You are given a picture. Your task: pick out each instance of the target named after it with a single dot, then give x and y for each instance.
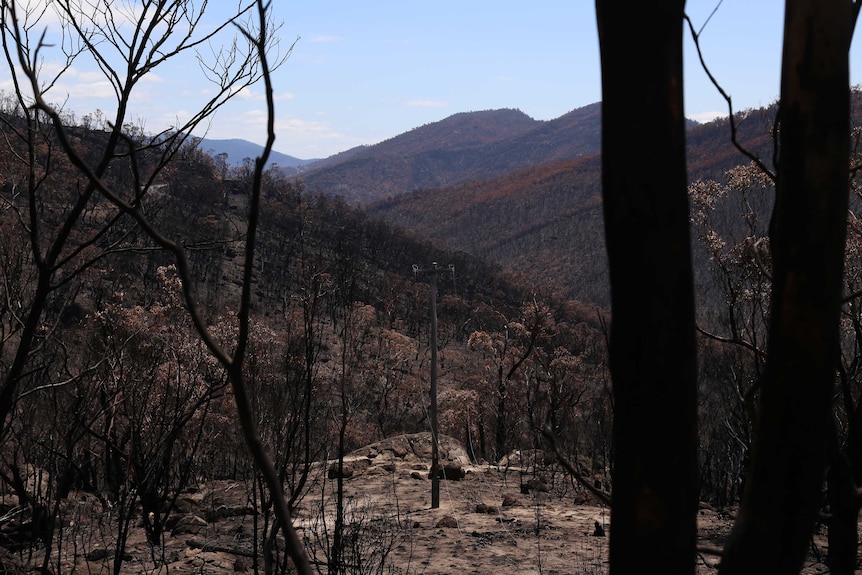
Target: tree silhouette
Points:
(807, 237)
(652, 344)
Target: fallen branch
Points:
(204, 546)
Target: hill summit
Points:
(464, 147)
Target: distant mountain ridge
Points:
(237, 150)
(464, 147)
(544, 222)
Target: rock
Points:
(397, 446)
(189, 525)
(224, 512)
(416, 475)
(447, 522)
(535, 484)
(524, 458)
(510, 501)
(349, 469)
(421, 445)
(484, 508)
(451, 471)
(333, 472)
(186, 505)
(417, 447)
(97, 554)
(101, 554)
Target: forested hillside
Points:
(462, 148)
(124, 256)
(544, 223)
(120, 398)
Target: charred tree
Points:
(652, 343)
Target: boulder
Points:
(189, 525)
(414, 447)
(451, 471)
(525, 458)
(349, 469)
(447, 522)
(535, 484)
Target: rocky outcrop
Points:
(415, 447)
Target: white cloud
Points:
(704, 117)
(100, 90)
(249, 95)
(323, 39)
(91, 76)
(426, 103)
(246, 94)
(174, 119)
(29, 11)
(152, 77)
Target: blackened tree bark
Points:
(844, 474)
(807, 234)
(652, 343)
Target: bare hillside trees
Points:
(126, 45)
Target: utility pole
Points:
(435, 271)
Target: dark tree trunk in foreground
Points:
(783, 492)
(652, 345)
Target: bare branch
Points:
(552, 439)
(65, 382)
(264, 464)
(733, 127)
(734, 341)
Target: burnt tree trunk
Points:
(652, 342)
(807, 232)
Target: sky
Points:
(363, 72)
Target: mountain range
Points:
(520, 193)
(517, 192)
(464, 147)
(238, 150)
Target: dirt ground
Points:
(496, 519)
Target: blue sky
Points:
(362, 72)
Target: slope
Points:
(458, 149)
(544, 223)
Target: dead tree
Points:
(652, 342)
